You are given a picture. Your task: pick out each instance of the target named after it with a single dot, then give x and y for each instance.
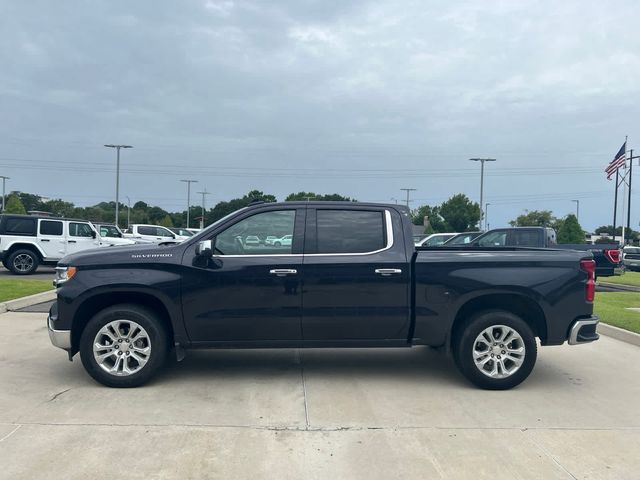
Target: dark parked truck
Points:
(349, 277)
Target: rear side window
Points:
(524, 238)
(50, 227)
(20, 226)
(350, 231)
(80, 230)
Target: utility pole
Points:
(203, 193)
(482, 160)
(188, 182)
(4, 179)
(128, 211)
(408, 190)
(117, 147)
(577, 202)
(486, 216)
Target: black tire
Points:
(277, 244)
(464, 344)
(158, 342)
(16, 262)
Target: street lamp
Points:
(128, 211)
(482, 160)
(486, 216)
(4, 179)
(188, 182)
(117, 147)
(577, 202)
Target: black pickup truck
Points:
(322, 274)
(606, 256)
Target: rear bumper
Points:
(584, 331)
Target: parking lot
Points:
(317, 413)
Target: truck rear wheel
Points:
(23, 262)
(123, 346)
(495, 350)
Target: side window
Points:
(277, 226)
(495, 239)
(50, 227)
(350, 231)
(163, 232)
(80, 229)
(20, 226)
(147, 231)
(526, 239)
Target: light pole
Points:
(117, 147)
(577, 202)
(188, 182)
(4, 179)
(486, 216)
(203, 193)
(482, 160)
(408, 190)
(128, 211)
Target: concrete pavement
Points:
(341, 414)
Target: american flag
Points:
(617, 162)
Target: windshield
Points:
(109, 231)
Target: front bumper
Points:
(584, 330)
(59, 338)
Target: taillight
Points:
(589, 266)
(613, 255)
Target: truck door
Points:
(51, 239)
(356, 276)
(247, 292)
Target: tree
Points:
(223, 209)
(14, 205)
(435, 223)
(535, 218)
(328, 197)
(570, 231)
(166, 221)
(460, 214)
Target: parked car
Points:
(111, 235)
(29, 241)
(252, 241)
(607, 257)
(152, 233)
(435, 239)
(270, 239)
(181, 233)
(284, 241)
(365, 285)
(462, 238)
(631, 258)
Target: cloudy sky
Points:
(360, 98)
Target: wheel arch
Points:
(93, 304)
(521, 305)
(25, 246)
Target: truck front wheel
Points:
(495, 350)
(123, 346)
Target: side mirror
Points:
(204, 248)
(93, 234)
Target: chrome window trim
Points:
(390, 241)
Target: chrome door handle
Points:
(385, 272)
(283, 272)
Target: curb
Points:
(27, 301)
(629, 288)
(619, 334)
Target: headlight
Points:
(63, 274)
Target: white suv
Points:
(28, 241)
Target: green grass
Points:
(629, 278)
(611, 308)
(11, 289)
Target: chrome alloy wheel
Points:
(498, 351)
(122, 348)
(23, 262)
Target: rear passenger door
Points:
(51, 238)
(356, 276)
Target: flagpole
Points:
(615, 206)
(629, 192)
(624, 204)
